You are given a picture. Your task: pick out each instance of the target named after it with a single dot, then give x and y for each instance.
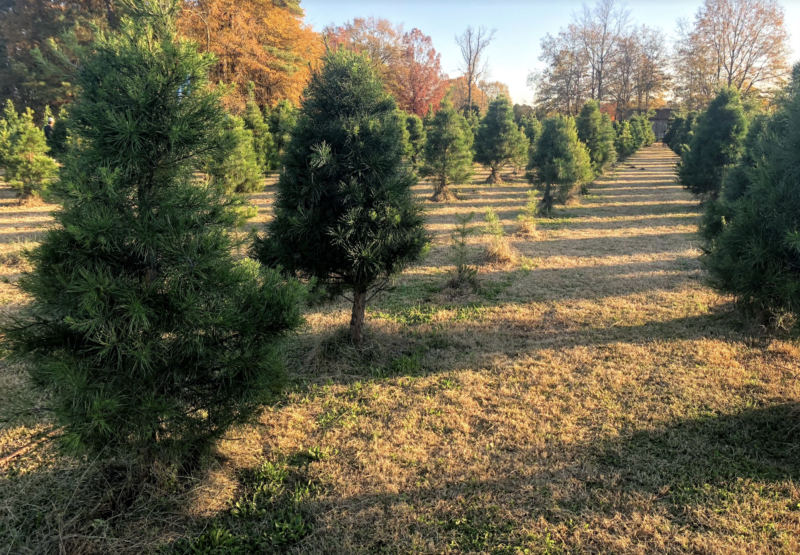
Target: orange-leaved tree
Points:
(260, 41)
(422, 82)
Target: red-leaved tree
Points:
(422, 82)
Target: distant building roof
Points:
(662, 114)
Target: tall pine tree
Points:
(344, 213)
(499, 141)
(145, 332)
(716, 144)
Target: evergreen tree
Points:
(624, 144)
(755, 253)
(282, 120)
(416, 139)
(532, 129)
(561, 161)
(263, 143)
(637, 132)
(448, 151)
(500, 141)
(596, 131)
(60, 136)
(345, 214)
(715, 146)
(237, 169)
(23, 153)
(144, 331)
(684, 131)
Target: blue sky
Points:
(520, 26)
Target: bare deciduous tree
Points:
(473, 44)
(600, 29)
(736, 43)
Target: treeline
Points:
(604, 55)
(744, 163)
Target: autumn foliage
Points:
(407, 62)
(261, 41)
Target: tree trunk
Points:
(357, 317)
(547, 199)
(494, 177)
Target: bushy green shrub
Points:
(623, 143)
(145, 333)
(345, 214)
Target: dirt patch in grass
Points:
(598, 398)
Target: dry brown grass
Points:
(597, 399)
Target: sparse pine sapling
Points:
(499, 251)
(527, 219)
(345, 214)
(148, 337)
(466, 273)
(448, 151)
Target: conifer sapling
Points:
(499, 141)
(345, 214)
(448, 151)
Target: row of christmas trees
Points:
(744, 163)
(146, 332)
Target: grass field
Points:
(595, 396)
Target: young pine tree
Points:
(596, 131)
(637, 132)
(448, 151)
(146, 334)
(60, 136)
(344, 213)
(755, 255)
(416, 139)
(281, 121)
(561, 161)
(623, 143)
(263, 143)
(715, 146)
(29, 170)
(236, 170)
(500, 141)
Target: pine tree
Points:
(345, 214)
(29, 170)
(715, 146)
(623, 144)
(448, 151)
(755, 254)
(637, 132)
(60, 136)
(596, 131)
(147, 335)
(499, 141)
(263, 143)
(236, 170)
(416, 139)
(561, 161)
(282, 120)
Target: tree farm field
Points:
(593, 396)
